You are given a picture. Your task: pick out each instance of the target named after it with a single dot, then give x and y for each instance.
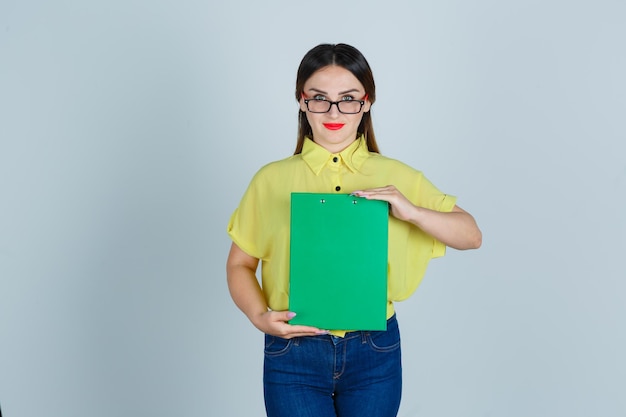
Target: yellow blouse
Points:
(260, 225)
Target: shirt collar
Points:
(317, 156)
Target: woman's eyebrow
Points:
(352, 90)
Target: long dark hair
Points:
(347, 57)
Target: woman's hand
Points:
(456, 229)
(275, 324)
(401, 207)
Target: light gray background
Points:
(130, 129)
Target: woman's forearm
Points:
(456, 229)
(243, 284)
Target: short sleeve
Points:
(447, 204)
(245, 227)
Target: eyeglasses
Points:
(320, 105)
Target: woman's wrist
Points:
(416, 216)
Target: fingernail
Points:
(291, 315)
(323, 332)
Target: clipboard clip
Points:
(354, 201)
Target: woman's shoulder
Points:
(389, 163)
(278, 168)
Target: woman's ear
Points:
(302, 104)
(368, 105)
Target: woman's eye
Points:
(347, 98)
(319, 98)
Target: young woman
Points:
(311, 372)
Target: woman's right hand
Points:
(275, 323)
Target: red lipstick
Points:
(333, 126)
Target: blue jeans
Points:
(327, 376)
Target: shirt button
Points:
(335, 159)
(337, 188)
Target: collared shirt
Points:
(260, 225)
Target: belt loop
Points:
(364, 337)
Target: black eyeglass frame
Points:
(336, 103)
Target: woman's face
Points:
(334, 130)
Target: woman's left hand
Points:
(456, 228)
(399, 205)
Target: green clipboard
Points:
(338, 261)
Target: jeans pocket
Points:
(276, 346)
(384, 341)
